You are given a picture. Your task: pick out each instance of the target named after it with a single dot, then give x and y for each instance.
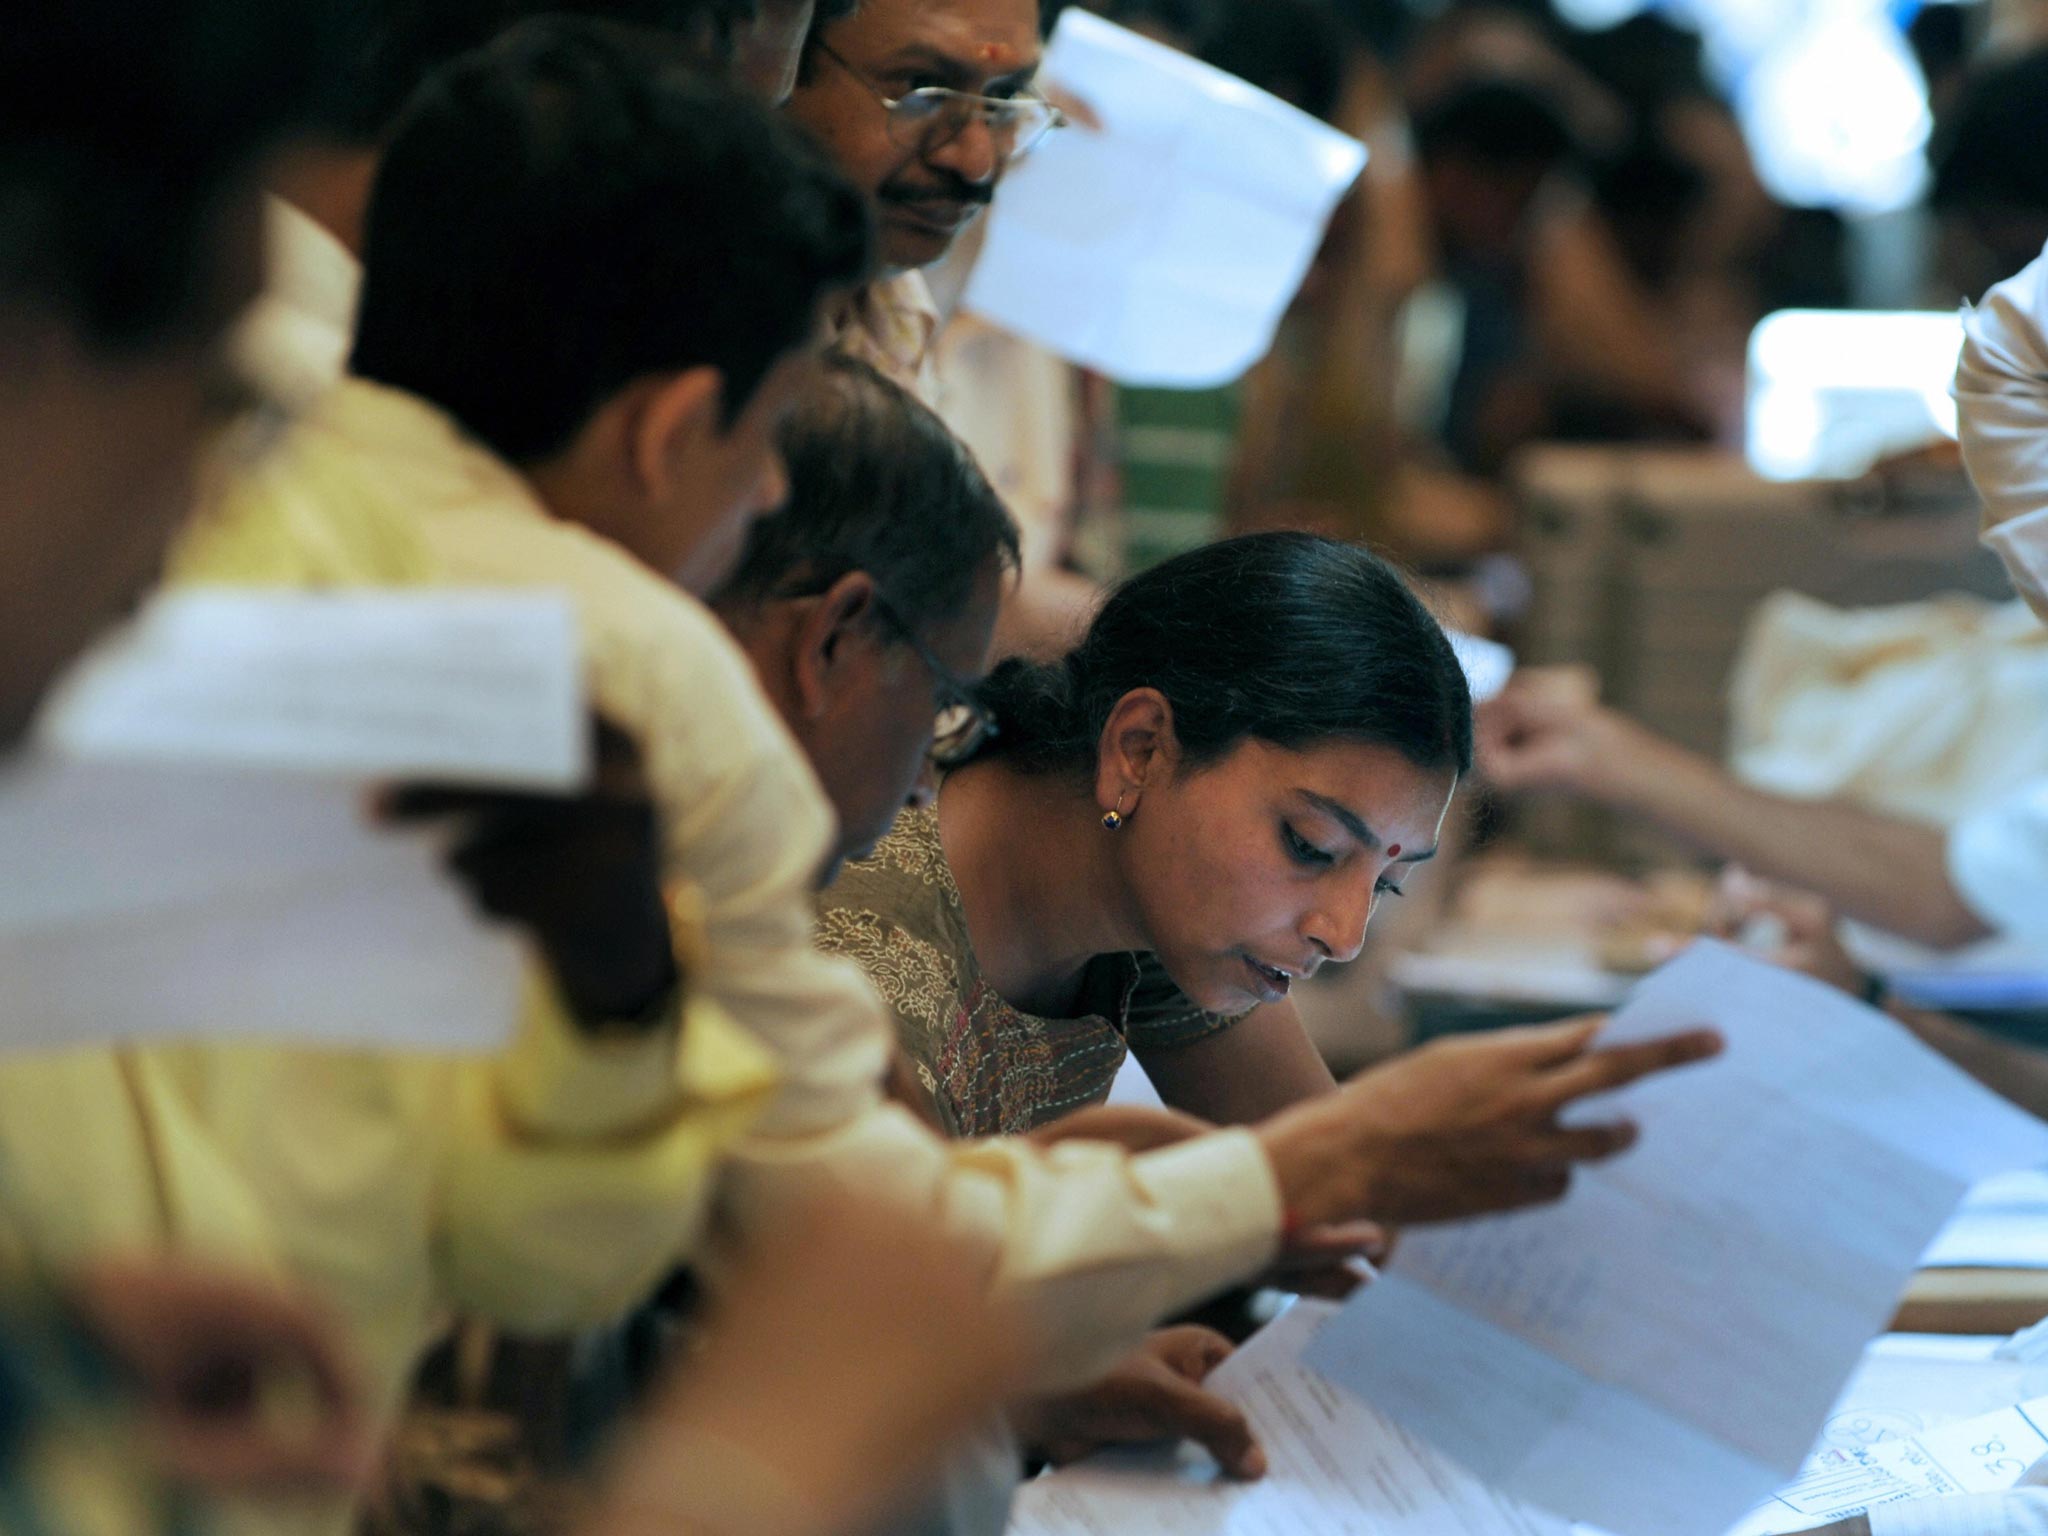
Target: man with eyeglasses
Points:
(922, 104)
(867, 602)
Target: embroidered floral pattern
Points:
(991, 1068)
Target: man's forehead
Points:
(986, 38)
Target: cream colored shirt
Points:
(297, 335)
(1108, 1242)
(893, 326)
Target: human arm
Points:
(1099, 1242)
(842, 1361)
(1887, 871)
(1806, 938)
(1256, 1067)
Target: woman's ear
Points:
(1137, 748)
(827, 640)
(675, 419)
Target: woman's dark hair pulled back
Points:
(1286, 638)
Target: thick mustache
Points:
(951, 192)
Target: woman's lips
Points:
(1268, 982)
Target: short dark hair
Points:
(565, 211)
(1287, 638)
(122, 124)
(400, 44)
(877, 483)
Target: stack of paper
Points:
(191, 852)
(1656, 1353)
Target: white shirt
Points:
(297, 335)
(2002, 415)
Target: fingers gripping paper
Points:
(1162, 243)
(1659, 1351)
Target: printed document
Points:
(1161, 242)
(1656, 1354)
(1338, 1468)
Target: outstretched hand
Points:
(1463, 1126)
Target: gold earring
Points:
(1112, 820)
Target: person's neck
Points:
(331, 186)
(569, 489)
(1037, 880)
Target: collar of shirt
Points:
(893, 326)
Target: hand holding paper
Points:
(1657, 1352)
(1464, 1125)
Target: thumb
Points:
(1218, 1427)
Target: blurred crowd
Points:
(965, 725)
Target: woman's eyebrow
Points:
(1343, 815)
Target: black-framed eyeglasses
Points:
(932, 115)
(962, 725)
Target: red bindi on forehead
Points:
(1394, 852)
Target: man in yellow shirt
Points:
(116, 366)
(545, 1189)
(591, 288)
(601, 474)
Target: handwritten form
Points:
(1655, 1354)
(1986, 1454)
(1163, 246)
(1339, 1468)
(190, 852)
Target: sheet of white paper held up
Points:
(477, 687)
(189, 853)
(1163, 244)
(1657, 1353)
(1338, 1468)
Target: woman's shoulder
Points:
(906, 877)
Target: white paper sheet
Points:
(147, 903)
(1163, 247)
(1656, 1353)
(1337, 1469)
(470, 687)
(190, 852)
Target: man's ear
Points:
(836, 629)
(1138, 744)
(677, 415)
